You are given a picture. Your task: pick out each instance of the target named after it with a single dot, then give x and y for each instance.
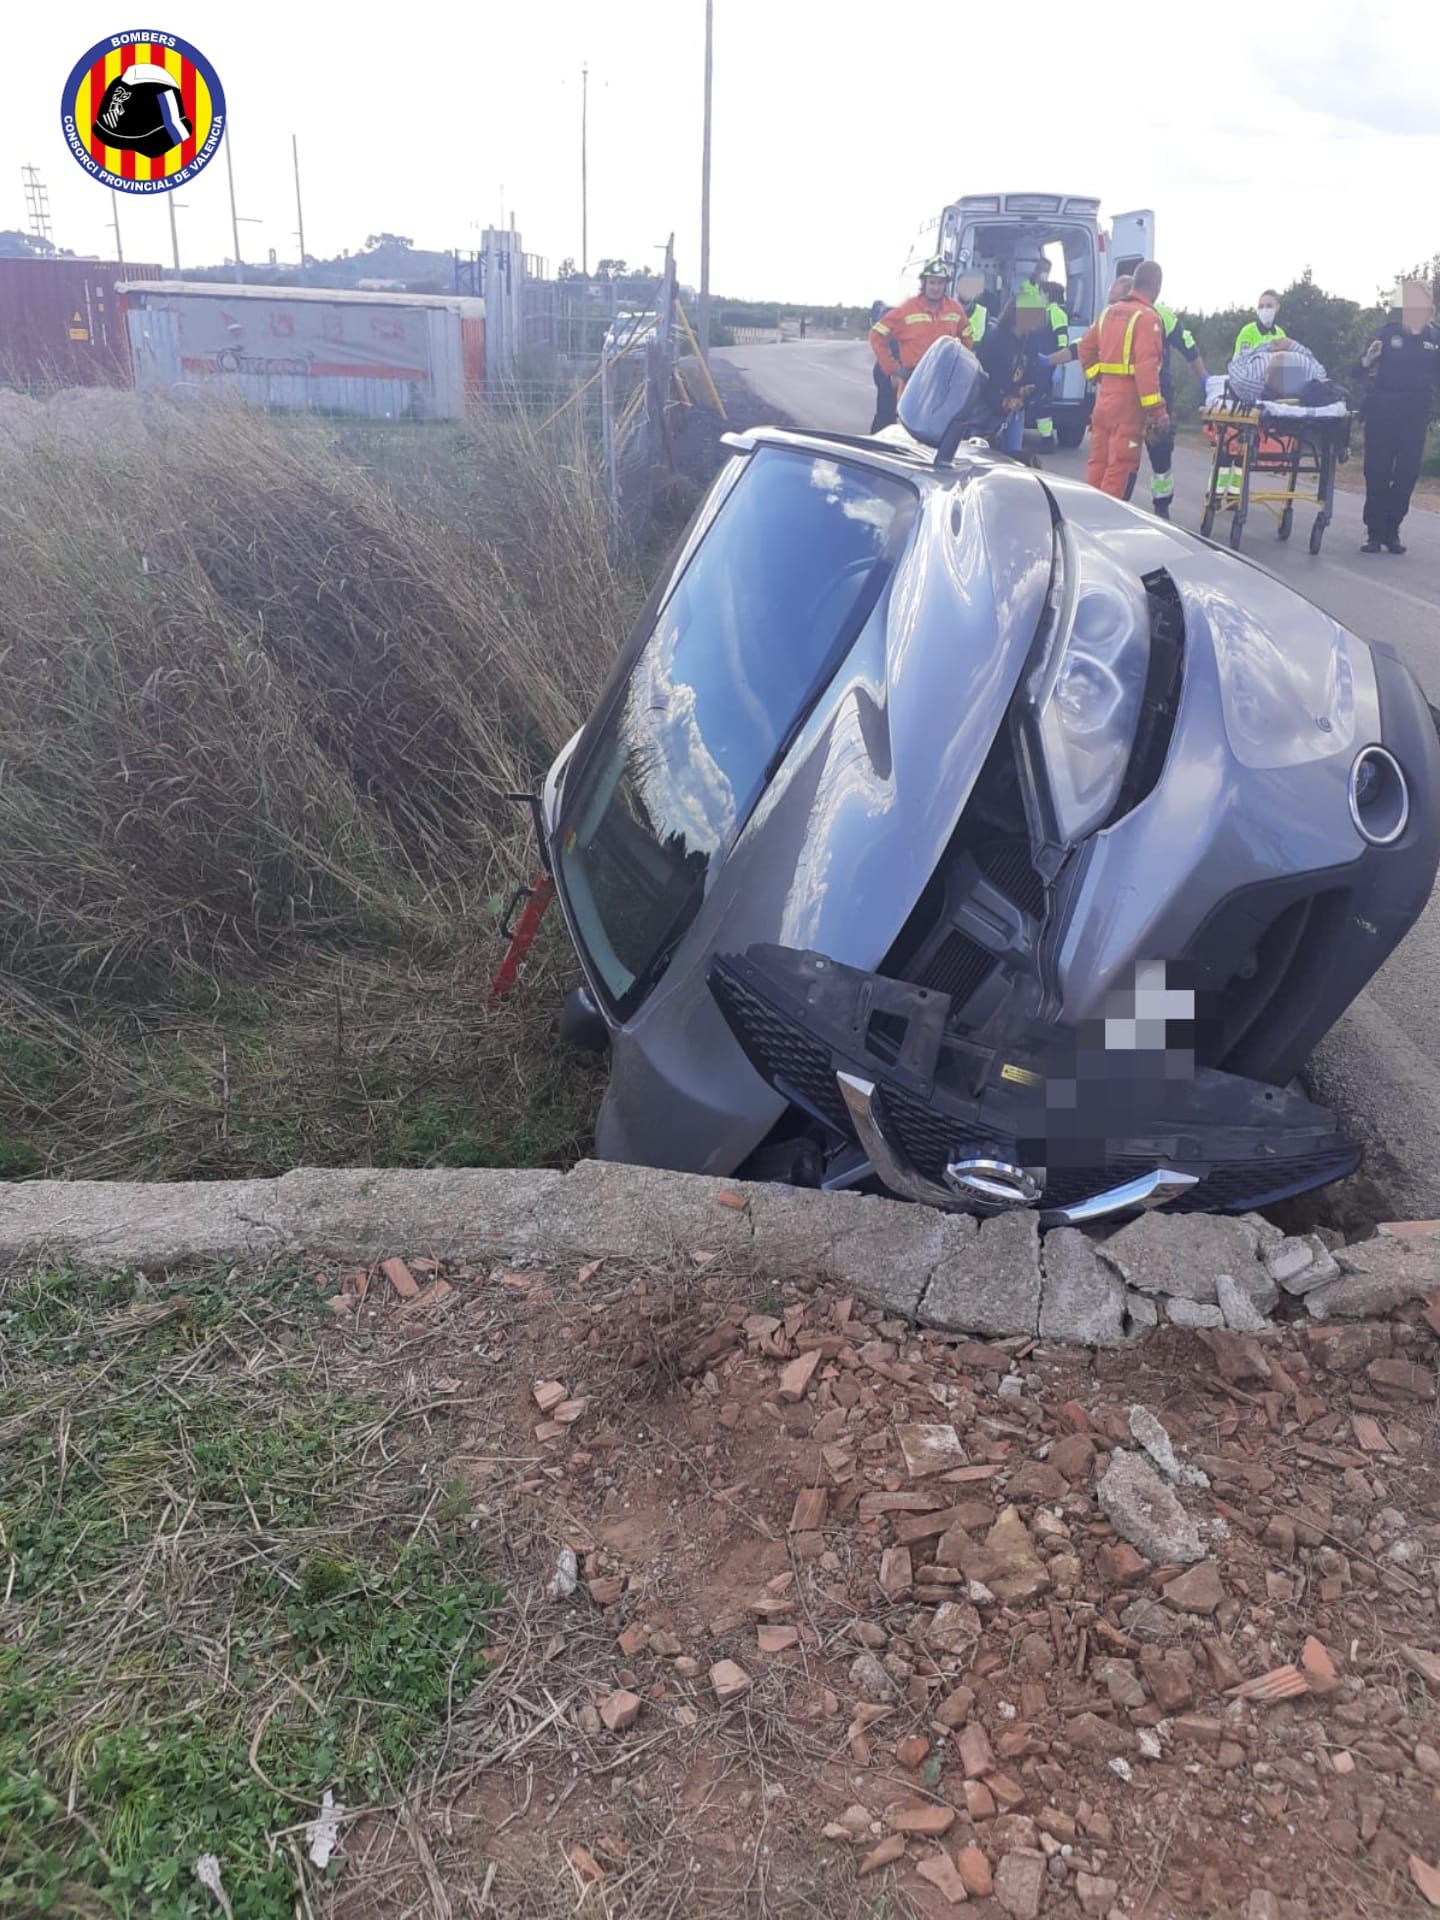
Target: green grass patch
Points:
(231, 1588)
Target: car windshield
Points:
(770, 602)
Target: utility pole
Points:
(704, 314)
(585, 168)
(115, 216)
(174, 233)
(299, 209)
(234, 217)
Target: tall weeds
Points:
(263, 687)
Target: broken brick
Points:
(940, 1871)
(619, 1710)
(728, 1681)
(796, 1377)
(401, 1279)
(548, 1394)
(777, 1639)
(921, 1817)
(809, 1511)
(977, 1756)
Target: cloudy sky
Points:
(1316, 142)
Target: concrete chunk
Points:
(1377, 1276)
(1182, 1253)
(1144, 1511)
(1193, 1313)
(1081, 1298)
(882, 1249)
(986, 1282)
(1300, 1263)
(1241, 1310)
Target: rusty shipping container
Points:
(61, 323)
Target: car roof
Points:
(900, 454)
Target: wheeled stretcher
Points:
(1286, 457)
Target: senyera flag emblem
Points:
(143, 112)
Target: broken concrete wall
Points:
(998, 1276)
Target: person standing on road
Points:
(1057, 324)
(1401, 369)
(898, 339)
(1123, 350)
(1160, 447)
(1008, 361)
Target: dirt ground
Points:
(850, 1633)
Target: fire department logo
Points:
(143, 112)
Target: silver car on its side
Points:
(954, 828)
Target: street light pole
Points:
(585, 168)
(234, 217)
(704, 315)
(115, 216)
(299, 209)
(174, 234)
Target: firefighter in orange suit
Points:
(899, 337)
(1124, 351)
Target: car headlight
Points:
(1084, 698)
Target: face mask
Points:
(1265, 315)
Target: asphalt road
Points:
(1380, 1068)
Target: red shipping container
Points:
(63, 324)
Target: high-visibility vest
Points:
(1252, 333)
(1126, 363)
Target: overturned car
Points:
(957, 830)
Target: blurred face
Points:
(933, 286)
(1417, 309)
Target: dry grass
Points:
(265, 685)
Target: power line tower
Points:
(37, 205)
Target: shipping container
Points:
(381, 356)
(61, 323)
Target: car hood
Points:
(854, 822)
(850, 831)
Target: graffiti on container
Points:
(231, 360)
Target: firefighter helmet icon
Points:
(143, 112)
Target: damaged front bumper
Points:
(1074, 1128)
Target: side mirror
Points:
(945, 393)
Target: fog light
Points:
(1379, 796)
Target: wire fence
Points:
(611, 363)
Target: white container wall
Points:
(378, 356)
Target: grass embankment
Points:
(264, 687)
(229, 1588)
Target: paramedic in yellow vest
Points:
(1255, 333)
(1057, 321)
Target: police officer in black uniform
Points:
(1401, 368)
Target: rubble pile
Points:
(1014, 1626)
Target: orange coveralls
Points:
(1123, 350)
(909, 328)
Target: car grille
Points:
(803, 1069)
(785, 1054)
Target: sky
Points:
(1314, 141)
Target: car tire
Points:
(797, 1162)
